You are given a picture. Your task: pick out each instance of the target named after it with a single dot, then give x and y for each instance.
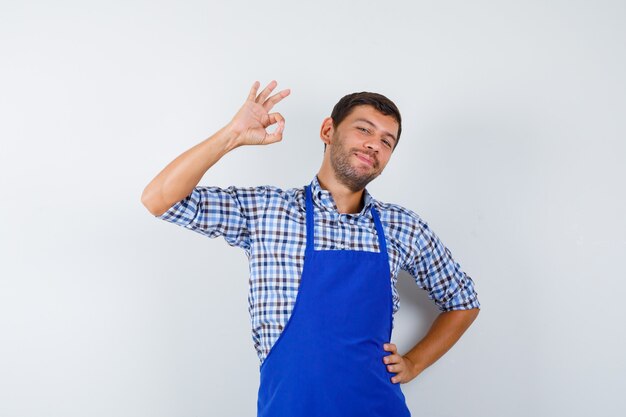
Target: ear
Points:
(327, 130)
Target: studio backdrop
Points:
(512, 151)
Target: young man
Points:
(324, 261)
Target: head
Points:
(344, 107)
(359, 138)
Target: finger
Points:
(273, 137)
(266, 92)
(253, 90)
(277, 135)
(398, 377)
(390, 347)
(273, 118)
(271, 102)
(393, 358)
(399, 372)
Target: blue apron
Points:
(328, 360)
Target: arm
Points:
(435, 270)
(445, 331)
(178, 179)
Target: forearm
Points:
(445, 331)
(178, 179)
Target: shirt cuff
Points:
(184, 211)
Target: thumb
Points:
(277, 135)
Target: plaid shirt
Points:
(269, 224)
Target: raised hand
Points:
(253, 118)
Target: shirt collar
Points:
(324, 199)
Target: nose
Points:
(372, 144)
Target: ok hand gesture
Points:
(253, 118)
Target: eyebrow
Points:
(376, 127)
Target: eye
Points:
(386, 142)
(363, 129)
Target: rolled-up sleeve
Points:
(434, 270)
(214, 211)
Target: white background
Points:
(512, 150)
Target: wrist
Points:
(414, 365)
(231, 135)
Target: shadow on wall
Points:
(417, 312)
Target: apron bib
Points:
(327, 362)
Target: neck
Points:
(346, 200)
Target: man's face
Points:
(361, 146)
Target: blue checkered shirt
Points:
(269, 224)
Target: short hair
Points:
(381, 103)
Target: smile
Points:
(365, 159)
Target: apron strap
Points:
(379, 231)
(310, 224)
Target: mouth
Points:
(365, 158)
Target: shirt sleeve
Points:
(434, 270)
(214, 211)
